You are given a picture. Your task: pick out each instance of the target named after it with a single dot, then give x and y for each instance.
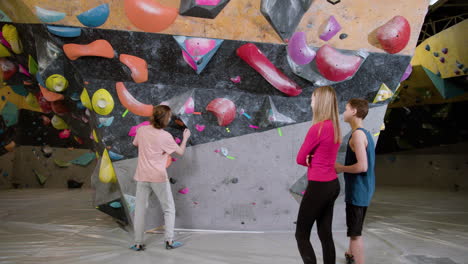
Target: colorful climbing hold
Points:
(85, 100)
(343, 36)
(138, 67)
(258, 61)
(49, 16)
(298, 50)
(65, 134)
(94, 17)
(11, 35)
(129, 102)
(56, 83)
(236, 79)
(442, 59)
(224, 110)
(106, 170)
(66, 32)
(32, 65)
(149, 15)
(184, 190)
(133, 129)
(99, 48)
(394, 35)
(200, 128)
(331, 29)
(444, 50)
(58, 123)
(383, 94)
(280, 133)
(102, 101)
(336, 66)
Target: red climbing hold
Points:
(336, 66)
(255, 58)
(394, 35)
(224, 110)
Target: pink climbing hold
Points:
(133, 130)
(236, 79)
(394, 35)
(200, 127)
(303, 192)
(4, 41)
(407, 73)
(65, 134)
(336, 66)
(299, 51)
(252, 126)
(197, 47)
(184, 190)
(207, 2)
(331, 29)
(177, 140)
(23, 70)
(189, 106)
(189, 60)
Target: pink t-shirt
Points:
(154, 147)
(324, 149)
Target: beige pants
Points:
(164, 193)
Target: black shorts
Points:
(355, 219)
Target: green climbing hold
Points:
(32, 65)
(61, 163)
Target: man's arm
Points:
(358, 142)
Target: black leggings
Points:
(317, 205)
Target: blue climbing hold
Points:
(39, 79)
(49, 16)
(115, 205)
(94, 17)
(114, 156)
(19, 89)
(428, 48)
(66, 32)
(436, 54)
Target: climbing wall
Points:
(243, 90)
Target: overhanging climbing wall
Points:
(244, 94)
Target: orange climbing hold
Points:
(99, 48)
(51, 96)
(137, 65)
(132, 104)
(149, 15)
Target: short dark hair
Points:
(161, 114)
(361, 106)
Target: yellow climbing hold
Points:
(106, 170)
(11, 35)
(85, 100)
(95, 136)
(56, 83)
(382, 127)
(32, 100)
(58, 123)
(4, 52)
(103, 103)
(383, 94)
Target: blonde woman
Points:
(318, 153)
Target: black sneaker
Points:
(175, 244)
(349, 258)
